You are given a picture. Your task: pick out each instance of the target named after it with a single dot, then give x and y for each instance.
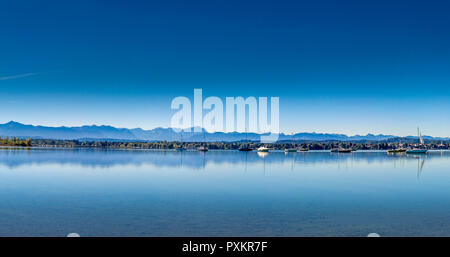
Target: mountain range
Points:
(94, 132)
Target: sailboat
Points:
(418, 150)
(181, 147)
(203, 148)
(290, 150)
(246, 148)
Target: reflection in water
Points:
(262, 154)
(161, 193)
(419, 167)
(109, 158)
(14, 157)
(420, 162)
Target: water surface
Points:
(52, 192)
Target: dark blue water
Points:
(48, 192)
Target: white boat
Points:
(263, 149)
(202, 149)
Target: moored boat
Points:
(416, 151)
(397, 150)
(263, 149)
(420, 149)
(202, 149)
(341, 150)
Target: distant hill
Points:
(94, 132)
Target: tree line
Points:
(15, 141)
(323, 145)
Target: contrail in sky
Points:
(18, 76)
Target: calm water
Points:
(48, 192)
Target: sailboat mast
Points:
(421, 142)
(418, 134)
(246, 133)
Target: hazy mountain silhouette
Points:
(94, 132)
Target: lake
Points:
(53, 192)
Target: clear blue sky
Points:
(352, 67)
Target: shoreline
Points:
(195, 150)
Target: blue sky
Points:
(352, 67)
